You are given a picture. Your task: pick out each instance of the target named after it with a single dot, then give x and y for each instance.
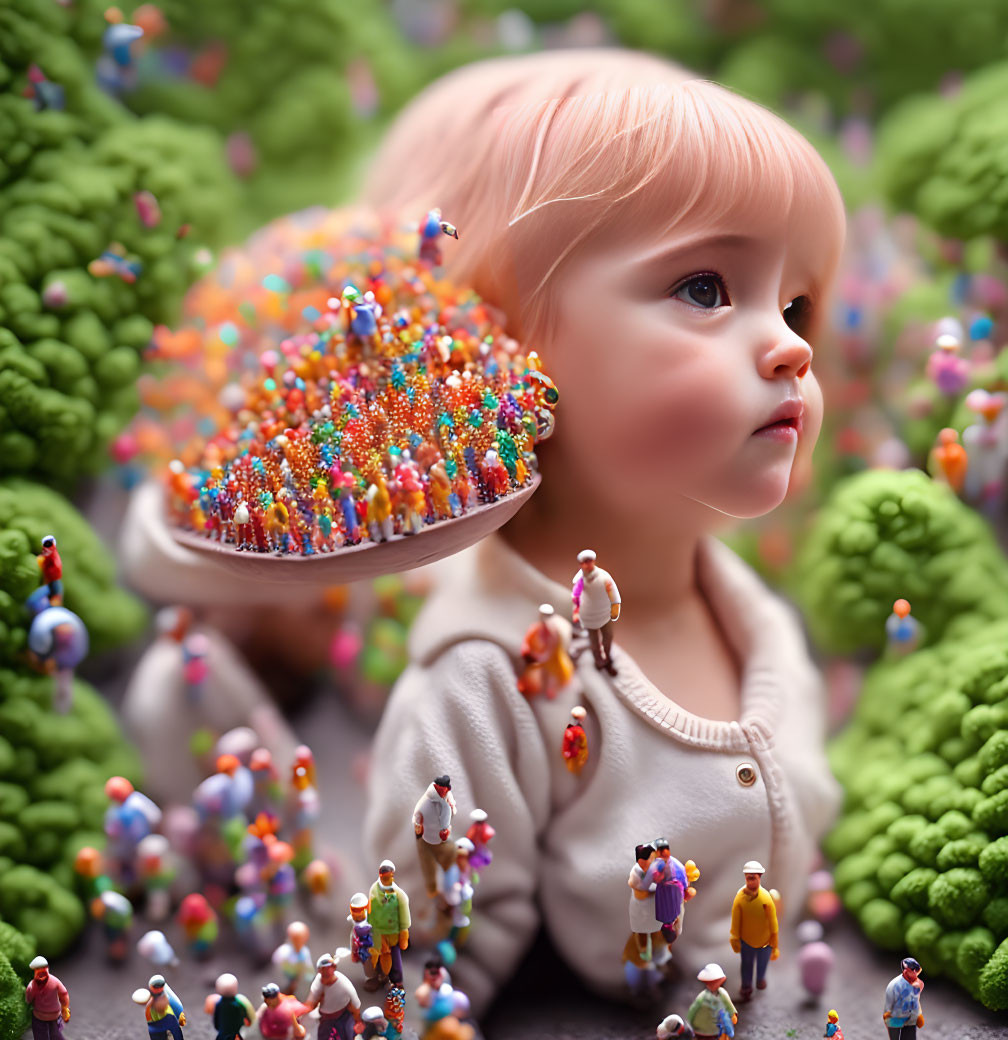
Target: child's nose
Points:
(784, 354)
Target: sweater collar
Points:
(485, 593)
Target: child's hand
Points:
(443, 835)
(775, 953)
(418, 829)
(614, 612)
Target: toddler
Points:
(667, 247)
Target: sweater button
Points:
(746, 774)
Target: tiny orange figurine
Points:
(548, 667)
(951, 459)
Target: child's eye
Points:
(702, 290)
(798, 315)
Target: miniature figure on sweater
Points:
(596, 602)
(675, 289)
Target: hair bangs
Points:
(656, 157)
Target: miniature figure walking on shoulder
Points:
(596, 606)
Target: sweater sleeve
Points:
(462, 715)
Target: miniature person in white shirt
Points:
(596, 602)
(432, 820)
(335, 997)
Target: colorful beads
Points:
(357, 395)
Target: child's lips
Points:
(785, 423)
(785, 430)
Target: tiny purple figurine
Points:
(431, 230)
(815, 958)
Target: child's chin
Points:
(751, 499)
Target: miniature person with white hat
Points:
(480, 833)
(754, 928)
(362, 941)
(49, 1002)
(375, 1023)
(596, 605)
(712, 1003)
(548, 667)
(389, 916)
(674, 1028)
(335, 997)
(162, 1009)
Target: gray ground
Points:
(544, 1002)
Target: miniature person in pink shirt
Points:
(49, 1001)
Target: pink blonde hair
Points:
(531, 157)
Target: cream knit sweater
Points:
(565, 843)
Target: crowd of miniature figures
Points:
(229, 845)
(389, 401)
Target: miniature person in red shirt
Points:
(51, 567)
(575, 741)
(48, 999)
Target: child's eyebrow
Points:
(694, 243)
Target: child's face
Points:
(674, 353)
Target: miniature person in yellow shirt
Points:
(754, 928)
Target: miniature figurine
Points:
(704, 1015)
(199, 922)
(643, 977)
(575, 741)
(903, 630)
(674, 1028)
(815, 958)
(642, 892)
(51, 566)
(946, 367)
(277, 1018)
(432, 821)
(154, 947)
(230, 1010)
(57, 643)
(902, 1012)
(674, 881)
(303, 807)
(435, 975)
(548, 667)
(389, 917)
(754, 928)
(130, 817)
(480, 834)
(162, 1009)
(115, 912)
(195, 666)
(394, 1010)
(458, 882)
(49, 1002)
(833, 1030)
(596, 606)
(375, 1024)
(335, 997)
(431, 230)
(362, 941)
(950, 459)
(294, 958)
(985, 449)
(266, 793)
(156, 869)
